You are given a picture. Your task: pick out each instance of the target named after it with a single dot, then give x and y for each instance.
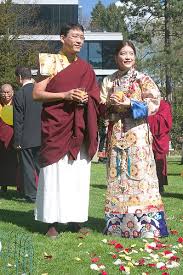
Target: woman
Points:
(8, 158)
(133, 204)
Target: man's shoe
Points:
(73, 227)
(52, 232)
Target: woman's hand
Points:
(115, 100)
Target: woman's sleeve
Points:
(150, 99)
(150, 95)
(104, 94)
(106, 87)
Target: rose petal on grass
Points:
(101, 267)
(103, 272)
(77, 259)
(80, 244)
(163, 268)
(174, 258)
(180, 240)
(112, 242)
(160, 265)
(104, 240)
(172, 265)
(118, 262)
(118, 245)
(95, 260)
(122, 268)
(94, 267)
(130, 264)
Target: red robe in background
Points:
(8, 156)
(160, 126)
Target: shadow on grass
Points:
(10, 195)
(100, 186)
(174, 161)
(26, 220)
(172, 195)
(174, 174)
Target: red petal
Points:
(180, 240)
(163, 268)
(122, 268)
(118, 245)
(151, 265)
(95, 260)
(113, 242)
(166, 252)
(141, 261)
(174, 258)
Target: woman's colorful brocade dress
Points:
(133, 203)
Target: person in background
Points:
(27, 132)
(103, 125)
(8, 157)
(160, 126)
(133, 203)
(67, 86)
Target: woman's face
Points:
(125, 58)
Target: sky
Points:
(88, 5)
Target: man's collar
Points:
(27, 82)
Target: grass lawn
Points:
(71, 253)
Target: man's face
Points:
(73, 41)
(6, 94)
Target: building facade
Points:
(98, 48)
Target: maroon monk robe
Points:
(160, 126)
(8, 157)
(65, 125)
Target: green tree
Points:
(98, 17)
(157, 26)
(109, 19)
(13, 23)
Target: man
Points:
(27, 132)
(69, 132)
(8, 157)
(160, 126)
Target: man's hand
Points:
(76, 96)
(17, 147)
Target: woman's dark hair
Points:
(67, 27)
(122, 44)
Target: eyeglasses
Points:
(75, 36)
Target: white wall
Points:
(51, 2)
